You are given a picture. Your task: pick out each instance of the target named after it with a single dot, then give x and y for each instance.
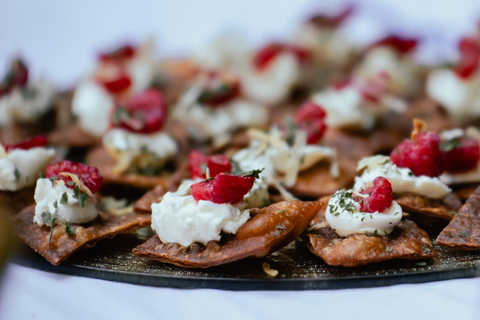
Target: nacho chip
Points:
(144, 204)
(442, 209)
(63, 245)
(270, 229)
(407, 241)
(318, 181)
(463, 232)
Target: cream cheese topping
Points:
(344, 216)
(48, 198)
(225, 51)
(28, 104)
(274, 84)
(401, 179)
(92, 105)
(180, 219)
(20, 168)
(460, 97)
(139, 150)
(401, 69)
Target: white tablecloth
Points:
(32, 294)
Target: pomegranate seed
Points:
(38, 141)
(400, 44)
(117, 85)
(461, 154)
(17, 76)
(122, 53)
(145, 112)
(469, 57)
(267, 54)
(380, 196)
(311, 119)
(322, 21)
(220, 94)
(89, 176)
(375, 87)
(422, 155)
(216, 164)
(224, 188)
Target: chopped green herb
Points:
(70, 183)
(283, 211)
(279, 227)
(388, 249)
(463, 233)
(253, 173)
(236, 170)
(64, 198)
(69, 229)
(266, 202)
(120, 114)
(81, 197)
(17, 174)
(450, 144)
(50, 219)
(41, 175)
(421, 264)
(385, 162)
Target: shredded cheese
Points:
(418, 127)
(79, 183)
(3, 152)
(271, 272)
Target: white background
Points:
(59, 40)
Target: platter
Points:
(298, 269)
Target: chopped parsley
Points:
(450, 144)
(69, 229)
(81, 196)
(50, 219)
(463, 233)
(17, 174)
(41, 175)
(279, 227)
(64, 198)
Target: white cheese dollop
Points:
(274, 84)
(160, 144)
(402, 179)
(222, 52)
(344, 216)
(20, 168)
(180, 219)
(345, 108)
(93, 105)
(404, 74)
(460, 97)
(48, 194)
(27, 104)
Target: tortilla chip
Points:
(73, 136)
(407, 241)
(463, 232)
(317, 181)
(144, 204)
(62, 245)
(441, 209)
(270, 229)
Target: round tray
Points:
(298, 269)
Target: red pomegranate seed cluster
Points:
(461, 154)
(311, 119)
(224, 188)
(219, 91)
(145, 112)
(267, 54)
(380, 196)
(216, 164)
(120, 80)
(469, 57)
(89, 176)
(400, 44)
(38, 141)
(17, 76)
(421, 155)
(123, 53)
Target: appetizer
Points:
(65, 218)
(361, 226)
(207, 224)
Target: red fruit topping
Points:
(89, 176)
(375, 87)
(17, 76)
(118, 84)
(400, 44)
(380, 196)
(422, 155)
(267, 54)
(224, 188)
(122, 53)
(219, 91)
(145, 112)
(469, 57)
(216, 164)
(38, 141)
(461, 154)
(323, 21)
(311, 119)
(342, 84)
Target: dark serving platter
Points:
(298, 269)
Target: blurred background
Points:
(60, 39)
